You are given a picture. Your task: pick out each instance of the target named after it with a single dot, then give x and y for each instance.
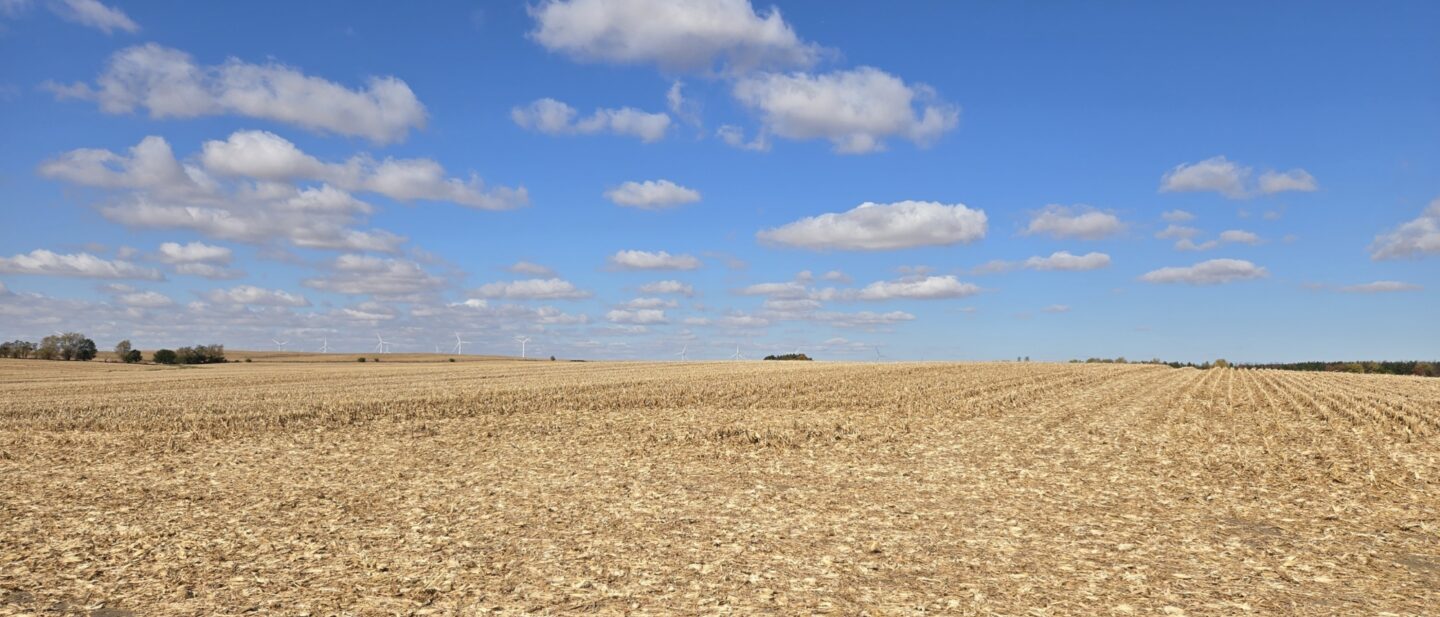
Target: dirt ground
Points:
(702, 488)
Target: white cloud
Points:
(1187, 244)
(255, 296)
(656, 260)
(874, 227)
(1239, 236)
(209, 271)
(532, 269)
(1056, 308)
(553, 117)
(1293, 180)
(649, 303)
(380, 277)
(674, 34)
(83, 265)
(533, 289)
(652, 195)
(926, 288)
(169, 84)
(668, 287)
(164, 194)
(1210, 272)
(734, 137)
(856, 110)
(1415, 238)
(95, 15)
(1177, 216)
(1063, 260)
(1177, 232)
(144, 299)
(175, 253)
(1082, 222)
(775, 290)
(636, 317)
(1221, 175)
(263, 155)
(1381, 287)
(863, 319)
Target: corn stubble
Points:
(785, 488)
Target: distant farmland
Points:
(289, 486)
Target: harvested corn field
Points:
(684, 488)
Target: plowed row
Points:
(555, 488)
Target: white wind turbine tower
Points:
(682, 355)
(737, 355)
(279, 345)
(460, 345)
(878, 355)
(522, 340)
(324, 345)
(382, 346)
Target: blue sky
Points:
(627, 178)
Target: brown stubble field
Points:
(698, 488)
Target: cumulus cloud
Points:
(856, 110)
(168, 83)
(652, 195)
(1293, 180)
(863, 319)
(1174, 232)
(533, 289)
(95, 15)
(165, 194)
(1056, 308)
(263, 155)
(1221, 175)
(918, 288)
(532, 269)
(376, 276)
(144, 299)
(1081, 222)
(176, 253)
(649, 303)
(1239, 236)
(673, 34)
(553, 117)
(1416, 238)
(81, 265)
(876, 227)
(775, 290)
(1381, 287)
(639, 317)
(652, 260)
(734, 137)
(1211, 272)
(668, 287)
(255, 296)
(1065, 261)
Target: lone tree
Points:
(164, 356)
(122, 349)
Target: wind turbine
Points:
(522, 340)
(324, 346)
(382, 346)
(737, 355)
(460, 345)
(682, 355)
(879, 355)
(279, 345)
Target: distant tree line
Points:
(76, 346)
(1420, 368)
(66, 346)
(789, 356)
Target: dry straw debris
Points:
(698, 488)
